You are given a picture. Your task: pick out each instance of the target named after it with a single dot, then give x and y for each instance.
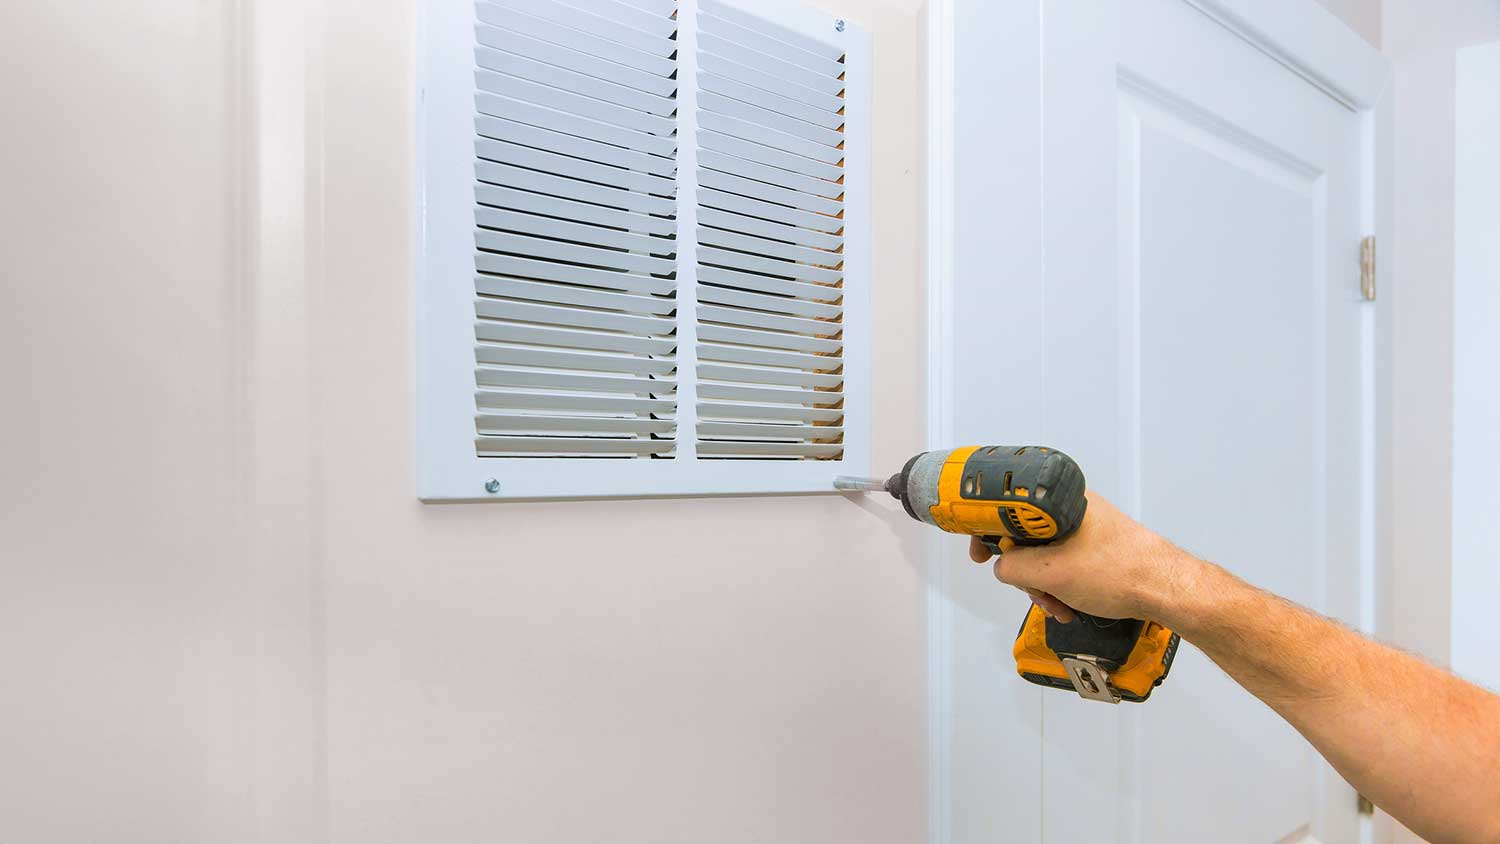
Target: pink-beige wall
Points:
(124, 646)
(223, 614)
(1362, 16)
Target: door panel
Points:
(1229, 402)
(1204, 345)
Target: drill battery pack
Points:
(1102, 659)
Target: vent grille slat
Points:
(494, 423)
(780, 377)
(570, 80)
(585, 148)
(575, 291)
(514, 221)
(762, 116)
(770, 266)
(525, 90)
(769, 339)
(715, 448)
(552, 271)
(766, 246)
(734, 71)
(511, 21)
(769, 413)
(752, 207)
(606, 19)
(572, 253)
(770, 175)
(769, 395)
(562, 122)
(513, 288)
(565, 165)
(663, 8)
(505, 332)
(782, 71)
(574, 211)
(582, 62)
(547, 358)
(767, 357)
(780, 304)
(508, 400)
(769, 156)
(769, 135)
(772, 193)
(774, 322)
(747, 20)
(502, 446)
(768, 229)
(770, 311)
(766, 284)
(488, 377)
(574, 317)
(561, 186)
(772, 101)
(750, 430)
(773, 46)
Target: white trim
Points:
(939, 395)
(1476, 414)
(1311, 41)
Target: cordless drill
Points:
(1030, 495)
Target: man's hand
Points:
(1419, 742)
(1113, 567)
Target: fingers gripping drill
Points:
(1015, 496)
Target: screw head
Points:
(839, 24)
(492, 486)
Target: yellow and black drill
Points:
(1031, 495)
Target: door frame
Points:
(1311, 42)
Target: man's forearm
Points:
(1417, 741)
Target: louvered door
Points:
(645, 266)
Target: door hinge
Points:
(1367, 268)
(1365, 806)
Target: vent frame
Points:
(449, 466)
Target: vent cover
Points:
(645, 265)
(770, 240)
(575, 229)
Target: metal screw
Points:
(492, 486)
(839, 24)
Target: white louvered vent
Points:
(645, 229)
(770, 240)
(576, 161)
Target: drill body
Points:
(1031, 495)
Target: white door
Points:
(1179, 308)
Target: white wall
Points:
(1422, 39)
(1476, 347)
(223, 614)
